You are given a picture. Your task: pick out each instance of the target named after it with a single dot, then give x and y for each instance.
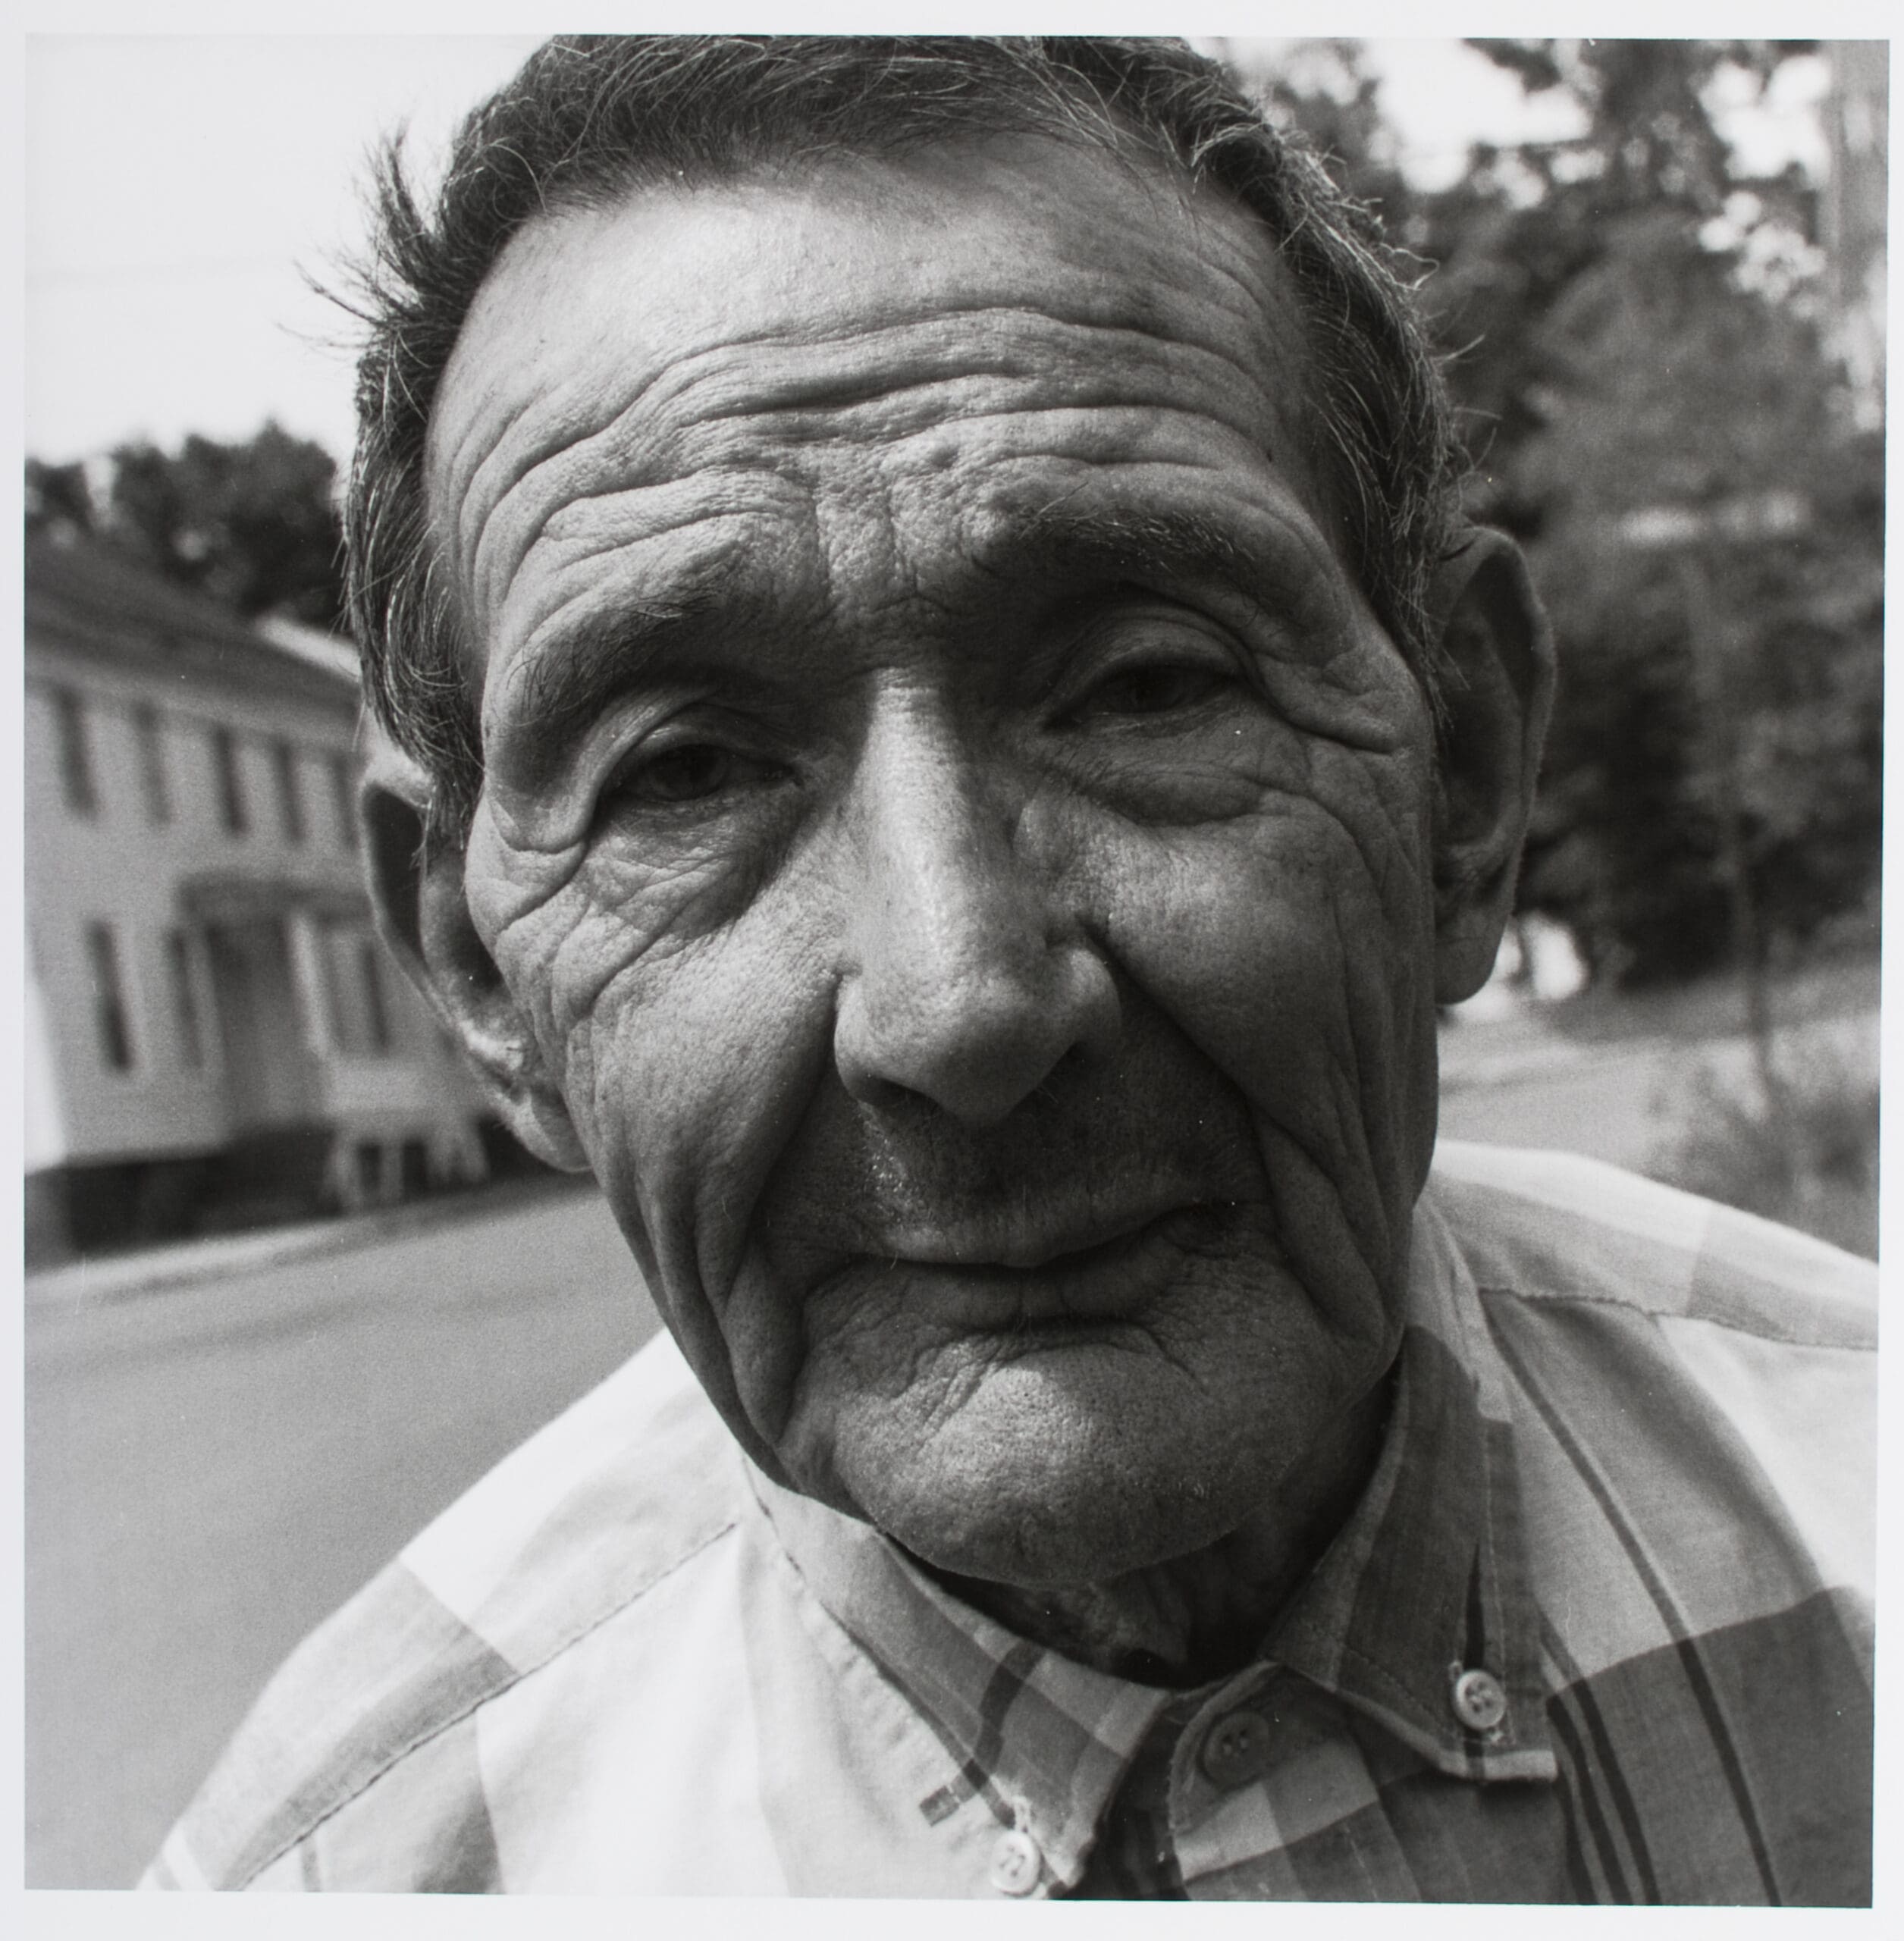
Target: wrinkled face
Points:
(955, 832)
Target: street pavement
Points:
(213, 1466)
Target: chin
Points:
(1043, 1504)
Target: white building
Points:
(212, 1033)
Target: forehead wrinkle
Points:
(1093, 300)
(580, 420)
(604, 642)
(608, 537)
(747, 450)
(547, 463)
(460, 503)
(799, 365)
(683, 573)
(749, 389)
(744, 445)
(795, 368)
(888, 412)
(496, 552)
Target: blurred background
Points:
(288, 1291)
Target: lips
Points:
(1024, 1272)
(1021, 1237)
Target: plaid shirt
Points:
(1598, 1630)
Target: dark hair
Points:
(588, 119)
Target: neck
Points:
(1190, 1619)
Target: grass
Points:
(1811, 1163)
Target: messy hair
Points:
(591, 119)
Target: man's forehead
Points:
(1012, 186)
(614, 294)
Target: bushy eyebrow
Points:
(1065, 541)
(1066, 537)
(559, 689)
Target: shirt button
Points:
(1479, 1702)
(1016, 1864)
(1237, 1749)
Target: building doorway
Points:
(270, 1078)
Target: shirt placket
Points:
(1265, 1776)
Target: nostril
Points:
(869, 1089)
(975, 1048)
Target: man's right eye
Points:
(680, 775)
(687, 772)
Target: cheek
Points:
(1294, 947)
(623, 972)
(688, 1052)
(691, 1069)
(1300, 930)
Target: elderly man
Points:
(951, 742)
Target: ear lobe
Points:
(1498, 691)
(423, 916)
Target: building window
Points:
(185, 999)
(109, 1015)
(153, 782)
(290, 798)
(231, 783)
(356, 997)
(376, 1016)
(75, 753)
(343, 794)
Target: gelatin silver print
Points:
(952, 966)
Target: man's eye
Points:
(690, 772)
(1158, 689)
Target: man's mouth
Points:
(1017, 1271)
(1021, 1236)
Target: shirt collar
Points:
(1045, 1739)
(1425, 1583)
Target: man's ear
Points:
(423, 916)
(1497, 690)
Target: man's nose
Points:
(966, 986)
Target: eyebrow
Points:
(561, 687)
(1065, 540)
(1066, 537)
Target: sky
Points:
(178, 191)
(181, 189)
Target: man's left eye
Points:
(1162, 687)
(689, 772)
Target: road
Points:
(211, 1469)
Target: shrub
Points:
(1811, 1163)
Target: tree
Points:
(57, 495)
(1632, 349)
(1711, 541)
(254, 526)
(1707, 525)
(1513, 237)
